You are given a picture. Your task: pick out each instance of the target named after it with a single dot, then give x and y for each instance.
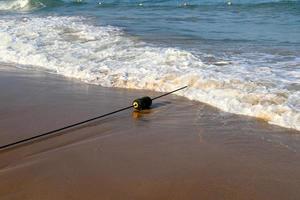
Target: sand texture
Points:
(179, 149)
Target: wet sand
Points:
(180, 149)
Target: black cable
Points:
(76, 124)
(169, 93)
(61, 129)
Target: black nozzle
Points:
(142, 103)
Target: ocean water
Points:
(242, 56)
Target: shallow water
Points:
(240, 56)
(177, 150)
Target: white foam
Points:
(106, 56)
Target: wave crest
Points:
(15, 5)
(28, 5)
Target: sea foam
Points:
(106, 56)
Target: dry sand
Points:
(180, 149)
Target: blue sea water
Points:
(242, 56)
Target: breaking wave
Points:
(104, 55)
(15, 5)
(28, 5)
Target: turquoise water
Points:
(254, 22)
(240, 56)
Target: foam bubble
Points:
(106, 56)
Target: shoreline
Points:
(180, 149)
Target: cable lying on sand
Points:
(138, 104)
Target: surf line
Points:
(137, 104)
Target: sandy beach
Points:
(179, 149)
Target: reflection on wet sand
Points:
(177, 150)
